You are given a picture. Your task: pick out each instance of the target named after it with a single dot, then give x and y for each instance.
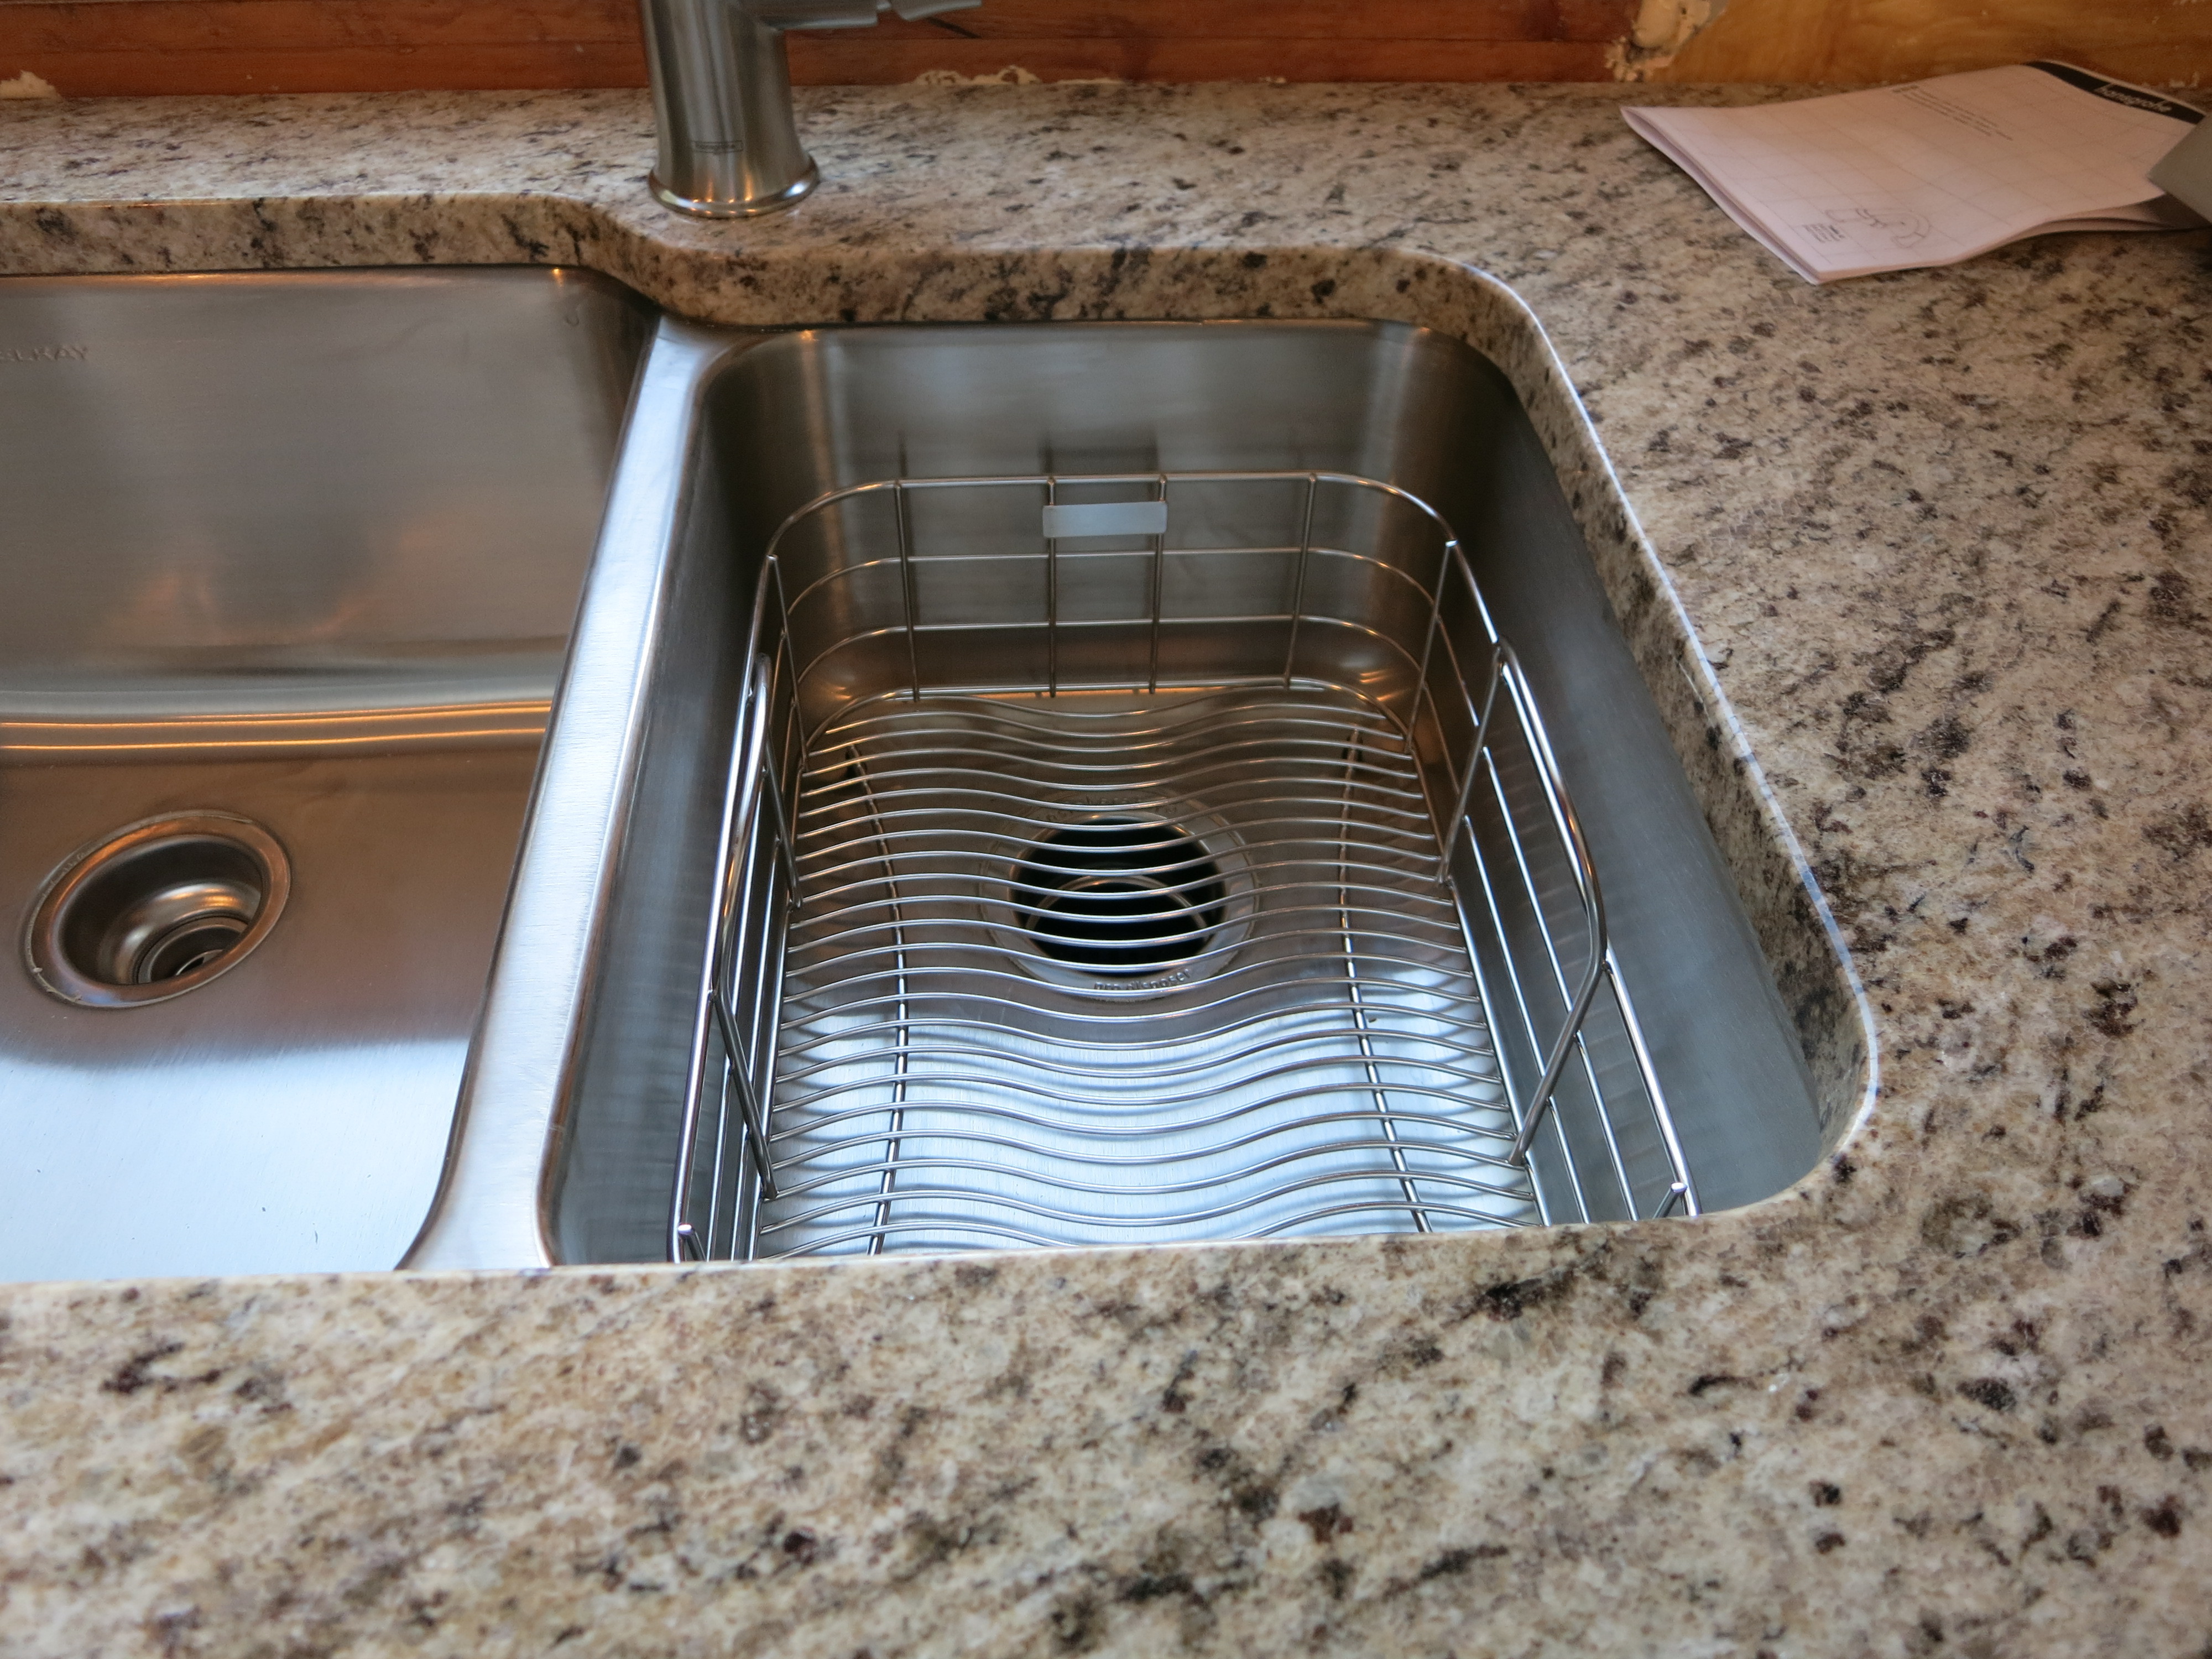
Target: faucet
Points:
(722, 94)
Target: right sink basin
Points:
(1104, 783)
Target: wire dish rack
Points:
(1148, 858)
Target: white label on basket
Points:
(1106, 519)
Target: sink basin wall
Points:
(242, 492)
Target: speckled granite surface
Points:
(1943, 538)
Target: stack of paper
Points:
(1935, 172)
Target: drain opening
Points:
(1120, 897)
(175, 930)
(158, 909)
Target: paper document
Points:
(1934, 172)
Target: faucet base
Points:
(735, 208)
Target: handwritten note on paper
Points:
(1934, 172)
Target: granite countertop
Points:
(1945, 540)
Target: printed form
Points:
(1934, 172)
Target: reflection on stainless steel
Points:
(302, 550)
(721, 96)
(159, 908)
(1299, 625)
(1144, 901)
(492, 723)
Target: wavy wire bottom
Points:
(1126, 968)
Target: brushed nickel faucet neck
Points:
(729, 147)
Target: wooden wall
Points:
(2165, 42)
(92, 48)
(95, 47)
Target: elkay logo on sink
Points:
(44, 354)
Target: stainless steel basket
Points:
(1148, 858)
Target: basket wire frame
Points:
(881, 1059)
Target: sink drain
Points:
(1120, 897)
(157, 908)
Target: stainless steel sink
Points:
(290, 565)
(1080, 783)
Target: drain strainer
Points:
(1120, 897)
(155, 910)
(1122, 904)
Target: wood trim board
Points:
(91, 48)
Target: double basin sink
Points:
(491, 777)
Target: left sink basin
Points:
(287, 566)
